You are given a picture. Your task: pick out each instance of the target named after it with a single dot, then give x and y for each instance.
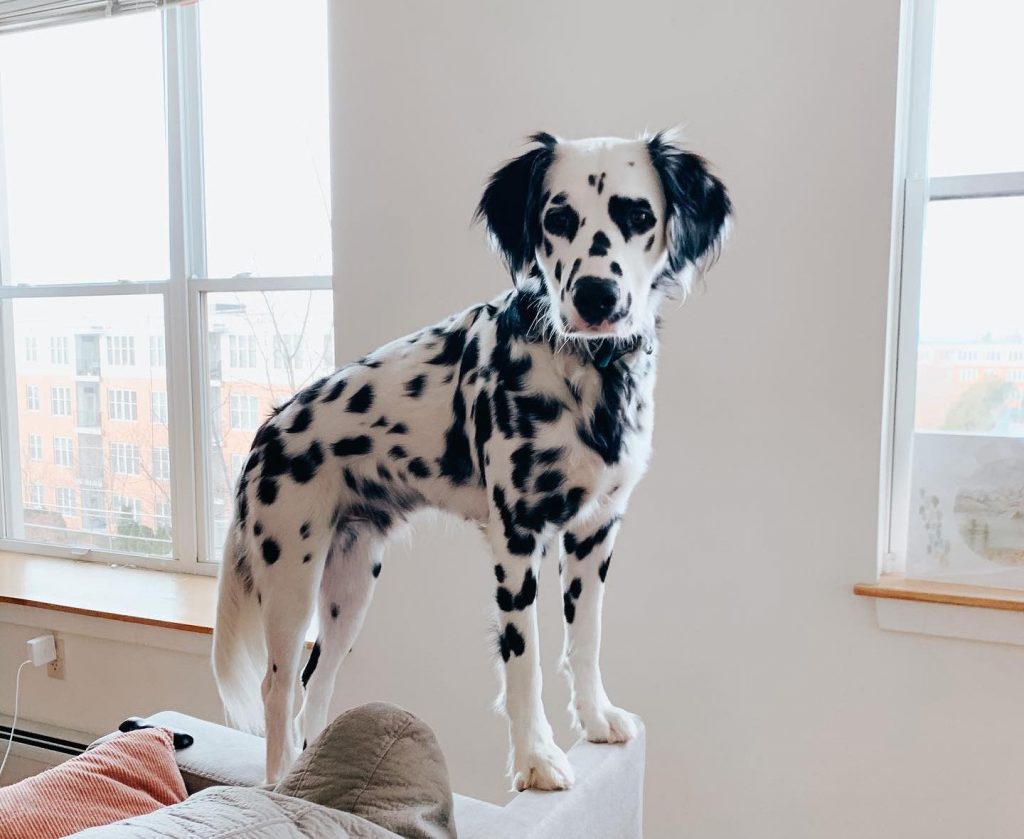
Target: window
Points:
(242, 351)
(164, 231)
(35, 447)
(60, 401)
(59, 352)
(122, 404)
(31, 397)
(124, 459)
(244, 413)
(956, 497)
(157, 351)
(287, 351)
(36, 497)
(66, 501)
(63, 451)
(127, 511)
(121, 350)
(158, 407)
(162, 464)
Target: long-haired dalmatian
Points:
(530, 415)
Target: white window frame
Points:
(31, 397)
(236, 411)
(158, 406)
(62, 401)
(60, 350)
(35, 448)
(120, 350)
(64, 454)
(122, 404)
(184, 300)
(913, 190)
(125, 458)
(161, 463)
(61, 498)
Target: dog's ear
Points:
(697, 203)
(511, 203)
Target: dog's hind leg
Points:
(287, 585)
(346, 590)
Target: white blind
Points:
(17, 15)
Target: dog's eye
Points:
(562, 221)
(641, 220)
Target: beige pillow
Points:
(380, 762)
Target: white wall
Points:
(775, 706)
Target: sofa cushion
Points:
(131, 774)
(235, 812)
(380, 762)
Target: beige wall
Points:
(774, 704)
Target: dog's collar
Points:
(611, 351)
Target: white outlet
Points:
(55, 669)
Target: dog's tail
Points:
(239, 646)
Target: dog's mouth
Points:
(616, 325)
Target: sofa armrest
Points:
(219, 756)
(606, 802)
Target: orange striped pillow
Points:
(129, 776)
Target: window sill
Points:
(165, 599)
(921, 607)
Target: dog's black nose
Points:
(595, 298)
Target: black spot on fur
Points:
(563, 222)
(549, 481)
(312, 392)
(334, 611)
(304, 466)
(348, 446)
(535, 408)
(375, 570)
(456, 463)
(414, 387)
(273, 667)
(650, 242)
(558, 271)
(522, 462)
(266, 491)
(361, 401)
(383, 472)
(397, 452)
(336, 390)
(602, 569)
(483, 429)
(301, 421)
(380, 423)
(314, 658)
(258, 529)
(600, 245)
(633, 216)
(418, 467)
(615, 269)
(507, 601)
(304, 530)
(517, 542)
(499, 573)
(451, 352)
(307, 557)
(398, 428)
(510, 643)
(271, 551)
(583, 547)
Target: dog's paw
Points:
(608, 724)
(542, 767)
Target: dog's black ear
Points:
(697, 202)
(511, 203)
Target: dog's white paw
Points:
(544, 766)
(607, 724)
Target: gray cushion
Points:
(379, 762)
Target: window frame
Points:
(913, 191)
(184, 307)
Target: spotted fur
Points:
(530, 415)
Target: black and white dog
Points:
(530, 415)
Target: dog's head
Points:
(611, 227)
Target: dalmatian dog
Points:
(530, 415)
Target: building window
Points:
(60, 401)
(121, 350)
(158, 407)
(126, 510)
(59, 351)
(124, 459)
(157, 351)
(36, 496)
(66, 505)
(957, 350)
(162, 464)
(244, 412)
(122, 404)
(35, 447)
(243, 351)
(63, 451)
(287, 351)
(162, 515)
(166, 236)
(31, 397)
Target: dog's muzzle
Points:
(595, 299)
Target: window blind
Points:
(18, 15)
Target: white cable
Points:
(14, 722)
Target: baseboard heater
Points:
(42, 741)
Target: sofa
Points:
(377, 772)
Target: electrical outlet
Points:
(55, 669)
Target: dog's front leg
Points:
(584, 567)
(536, 761)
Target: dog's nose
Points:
(595, 298)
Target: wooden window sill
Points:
(185, 602)
(898, 587)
